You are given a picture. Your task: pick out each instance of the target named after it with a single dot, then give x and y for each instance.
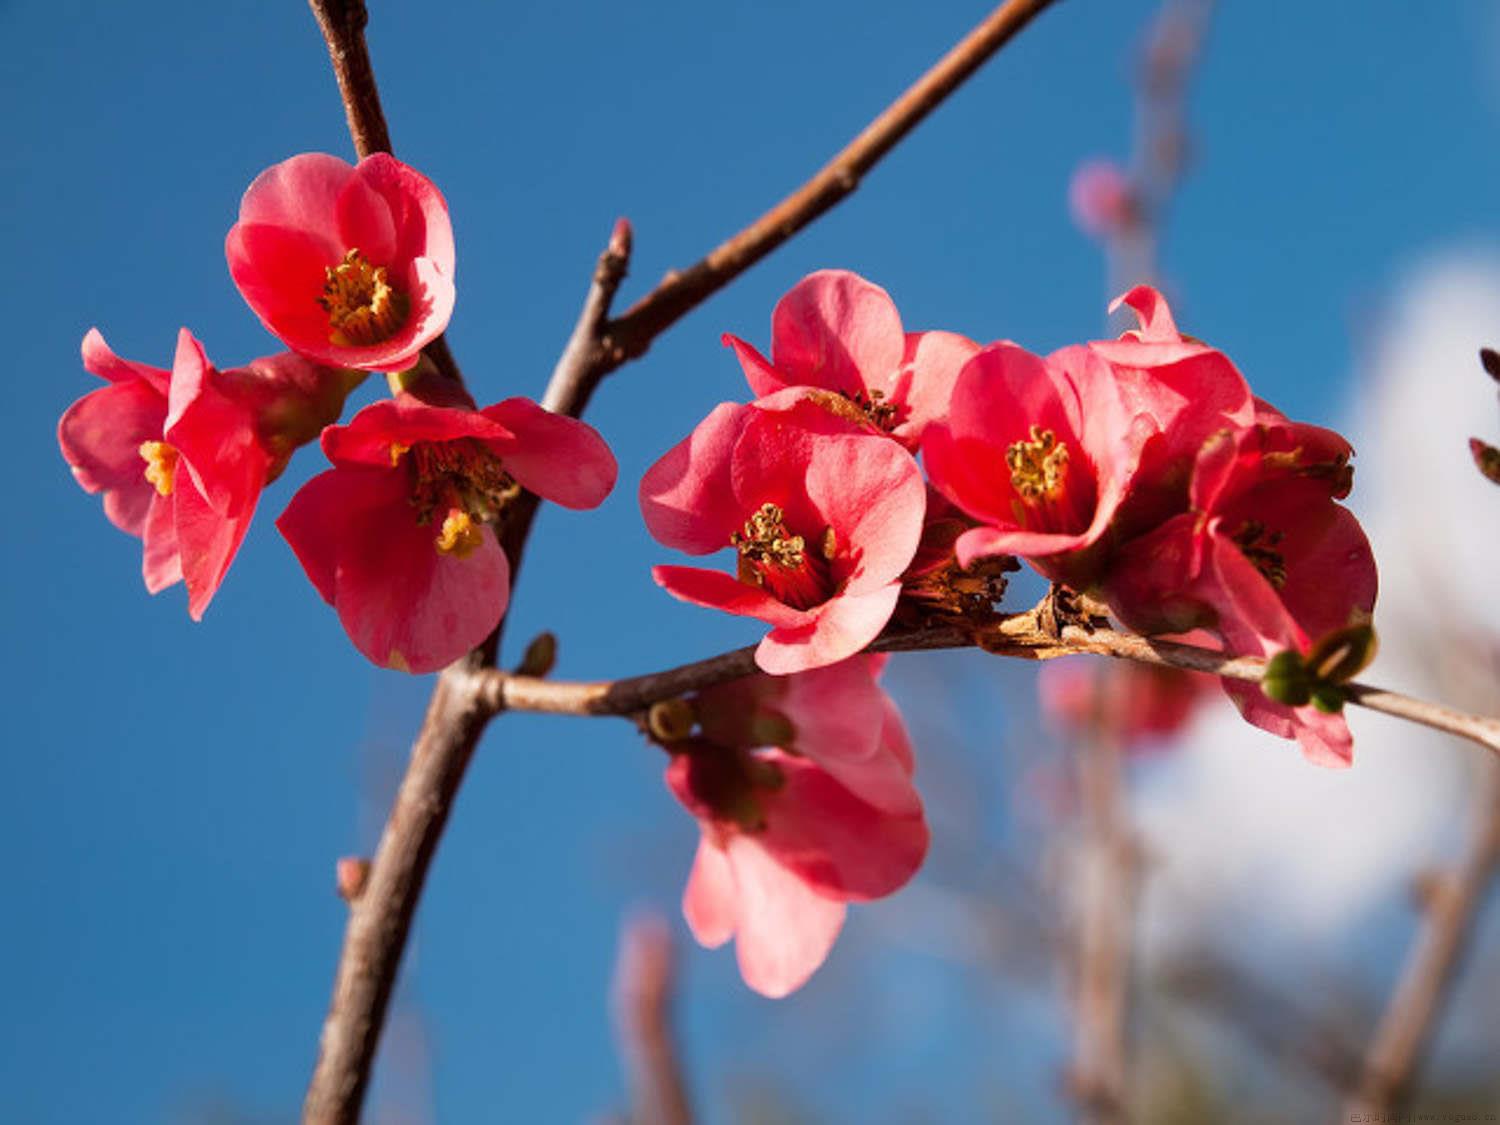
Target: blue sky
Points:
(179, 792)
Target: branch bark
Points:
(1019, 635)
(1451, 904)
(380, 918)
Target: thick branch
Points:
(1451, 904)
(1017, 635)
(380, 917)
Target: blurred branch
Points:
(1450, 905)
(1104, 889)
(380, 919)
(643, 988)
(1163, 145)
(1020, 634)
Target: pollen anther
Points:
(460, 535)
(161, 465)
(363, 307)
(1038, 466)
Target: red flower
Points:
(1185, 390)
(1134, 703)
(784, 843)
(398, 536)
(823, 525)
(182, 456)
(352, 266)
(837, 332)
(1039, 451)
(1265, 558)
(830, 716)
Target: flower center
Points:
(161, 465)
(772, 557)
(1037, 467)
(363, 307)
(872, 405)
(732, 783)
(1259, 546)
(459, 485)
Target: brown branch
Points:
(381, 917)
(1019, 635)
(342, 23)
(631, 334)
(1450, 905)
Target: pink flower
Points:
(1041, 452)
(182, 456)
(1102, 199)
(785, 843)
(352, 266)
(1184, 389)
(823, 524)
(1265, 559)
(837, 332)
(1137, 704)
(398, 537)
(831, 716)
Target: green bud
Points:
(671, 720)
(540, 656)
(1487, 457)
(1343, 654)
(1286, 679)
(1328, 698)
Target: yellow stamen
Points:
(460, 535)
(363, 307)
(397, 449)
(765, 539)
(161, 465)
(1037, 467)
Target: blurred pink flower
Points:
(1101, 199)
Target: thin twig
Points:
(380, 918)
(1451, 902)
(1018, 635)
(631, 334)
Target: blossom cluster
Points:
(1140, 473)
(877, 476)
(351, 267)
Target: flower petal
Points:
(708, 902)
(840, 627)
(717, 590)
(785, 930)
(560, 459)
(836, 330)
